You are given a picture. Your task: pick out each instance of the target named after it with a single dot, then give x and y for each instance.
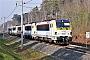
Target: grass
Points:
(8, 51)
(31, 54)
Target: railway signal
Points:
(87, 36)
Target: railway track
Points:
(79, 49)
(70, 46)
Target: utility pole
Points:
(3, 27)
(1, 20)
(21, 24)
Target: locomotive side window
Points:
(14, 28)
(50, 25)
(27, 27)
(32, 26)
(19, 28)
(44, 27)
(9, 29)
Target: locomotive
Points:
(57, 31)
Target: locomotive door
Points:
(51, 30)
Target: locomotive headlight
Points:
(34, 32)
(55, 33)
(68, 33)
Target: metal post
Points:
(21, 24)
(3, 27)
(3, 30)
(87, 36)
(86, 42)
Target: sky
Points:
(7, 6)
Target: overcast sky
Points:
(7, 6)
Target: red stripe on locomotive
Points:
(43, 25)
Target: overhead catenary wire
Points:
(29, 7)
(11, 12)
(19, 5)
(27, 2)
(30, 3)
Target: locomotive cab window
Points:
(62, 23)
